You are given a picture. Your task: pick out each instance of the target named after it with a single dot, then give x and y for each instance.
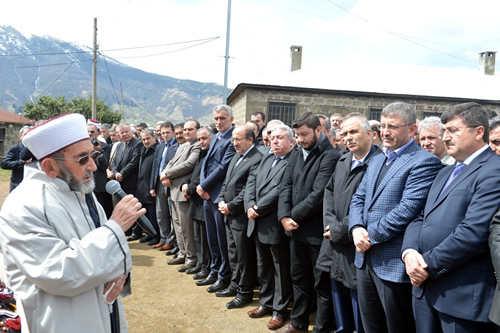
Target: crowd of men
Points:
(375, 226)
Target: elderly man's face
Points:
(104, 132)
(431, 140)
(126, 133)
(281, 144)
(78, 177)
(147, 139)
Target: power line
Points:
(168, 44)
(109, 76)
(47, 65)
(404, 37)
(173, 51)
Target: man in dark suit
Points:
(213, 172)
(13, 161)
(272, 245)
(125, 165)
(196, 211)
(147, 153)
(241, 253)
(163, 154)
(300, 211)
(445, 250)
(100, 175)
(391, 195)
(336, 257)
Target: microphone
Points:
(113, 187)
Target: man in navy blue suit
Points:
(213, 173)
(391, 195)
(446, 249)
(14, 161)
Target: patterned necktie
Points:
(454, 174)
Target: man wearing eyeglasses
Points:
(390, 196)
(446, 249)
(64, 259)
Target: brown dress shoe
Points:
(259, 312)
(166, 247)
(158, 245)
(276, 322)
(290, 329)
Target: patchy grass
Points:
(4, 175)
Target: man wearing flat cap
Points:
(64, 259)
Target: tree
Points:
(47, 107)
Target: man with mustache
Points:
(445, 249)
(64, 259)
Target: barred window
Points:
(283, 111)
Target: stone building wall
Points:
(251, 99)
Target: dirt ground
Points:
(164, 300)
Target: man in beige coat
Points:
(180, 166)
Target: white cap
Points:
(94, 122)
(55, 134)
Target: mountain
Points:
(36, 66)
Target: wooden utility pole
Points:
(94, 74)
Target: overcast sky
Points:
(352, 45)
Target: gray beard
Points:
(73, 184)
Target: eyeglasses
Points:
(454, 130)
(392, 127)
(91, 132)
(82, 160)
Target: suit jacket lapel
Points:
(397, 164)
(470, 169)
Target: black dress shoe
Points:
(239, 302)
(145, 239)
(206, 281)
(153, 241)
(202, 274)
(132, 238)
(172, 252)
(193, 270)
(218, 285)
(228, 292)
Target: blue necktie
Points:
(454, 174)
(355, 164)
(275, 163)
